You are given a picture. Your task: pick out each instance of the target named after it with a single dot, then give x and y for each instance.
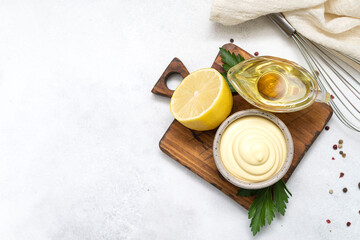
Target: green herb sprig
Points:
(268, 201)
(229, 60)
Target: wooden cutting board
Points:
(193, 149)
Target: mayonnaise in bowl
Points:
(253, 149)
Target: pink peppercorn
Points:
(335, 147)
(332, 96)
(328, 221)
(341, 175)
(332, 158)
(256, 53)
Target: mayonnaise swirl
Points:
(253, 149)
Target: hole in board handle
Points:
(173, 80)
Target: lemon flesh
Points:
(202, 100)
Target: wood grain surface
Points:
(193, 149)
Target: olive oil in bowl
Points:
(275, 84)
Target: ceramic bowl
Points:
(253, 185)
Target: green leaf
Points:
(280, 195)
(261, 209)
(268, 201)
(246, 192)
(226, 67)
(229, 60)
(269, 207)
(239, 58)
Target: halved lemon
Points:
(202, 100)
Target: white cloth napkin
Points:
(332, 23)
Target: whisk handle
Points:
(282, 23)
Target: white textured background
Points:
(79, 128)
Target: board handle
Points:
(175, 66)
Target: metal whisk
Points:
(330, 68)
